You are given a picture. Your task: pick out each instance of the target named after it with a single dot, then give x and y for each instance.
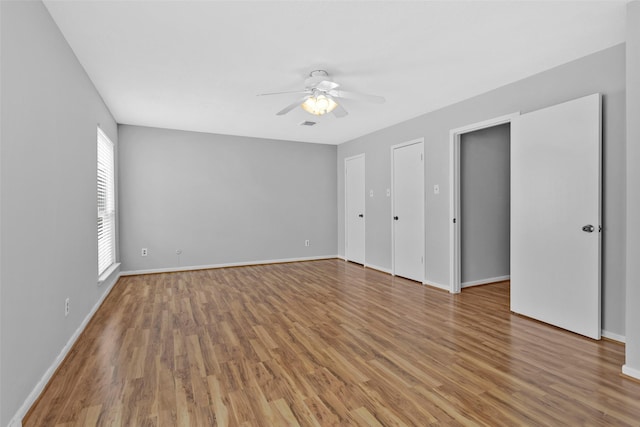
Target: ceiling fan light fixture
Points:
(319, 104)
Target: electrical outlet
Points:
(66, 307)
(178, 251)
(307, 243)
(144, 252)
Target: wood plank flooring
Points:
(327, 343)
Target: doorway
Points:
(455, 234)
(485, 205)
(354, 170)
(407, 216)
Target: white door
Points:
(555, 215)
(408, 210)
(354, 209)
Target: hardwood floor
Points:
(327, 343)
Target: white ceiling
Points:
(198, 65)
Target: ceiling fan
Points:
(320, 95)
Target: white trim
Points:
(16, 421)
(507, 118)
(484, 281)
(454, 192)
(229, 264)
(375, 267)
(614, 337)
(365, 205)
(631, 372)
(435, 285)
(424, 205)
(454, 201)
(107, 273)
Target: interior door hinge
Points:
(454, 220)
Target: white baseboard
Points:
(230, 264)
(484, 281)
(436, 285)
(375, 267)
(612, 336)
(16, 421)
(631, 372)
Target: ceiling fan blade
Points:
(375, 99)
(290, 107)
(282, 93)
(326, 85)
(339, 111)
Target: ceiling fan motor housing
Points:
(315, 78)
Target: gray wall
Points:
(50, 110)
(222, 199)
(633, 186)
(602, 72)
(484, 203)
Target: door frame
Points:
(346, 229)
(454, 193)
(424, 207)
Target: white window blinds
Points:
(106, 203)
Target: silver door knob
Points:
(588, 228)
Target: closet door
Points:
(408, 210)
(354, 209)
(555, 215)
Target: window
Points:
(106, 204)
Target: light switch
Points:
(436, 189)
(370, 193)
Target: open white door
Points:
(408, 210)
(555, 215)
(354, 209)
